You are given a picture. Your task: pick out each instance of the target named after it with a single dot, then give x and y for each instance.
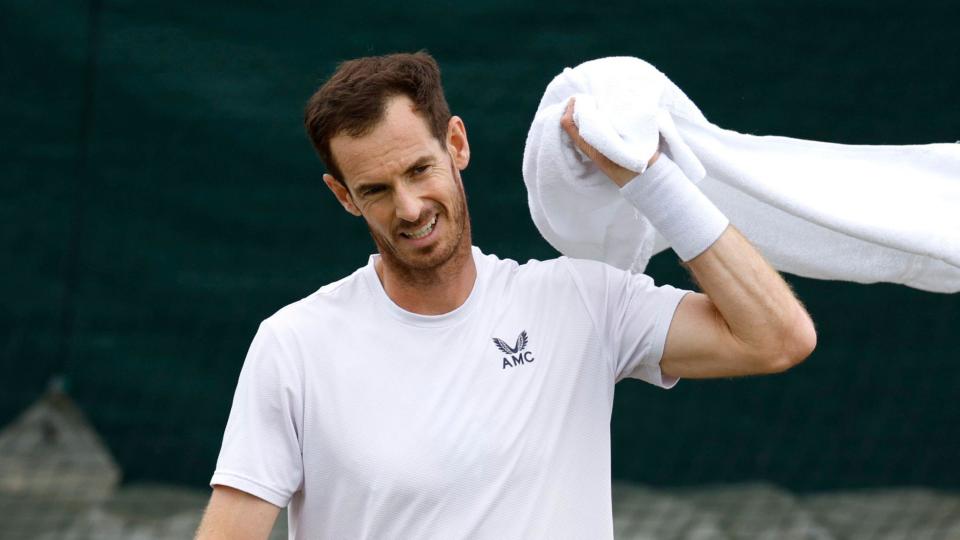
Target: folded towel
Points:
(820, 210)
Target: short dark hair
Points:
(353, 100)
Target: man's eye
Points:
(372, 190)
(421, 169)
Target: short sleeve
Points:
(632, 315)
(261, 452)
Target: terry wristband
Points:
(686, 218)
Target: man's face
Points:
(407, 187)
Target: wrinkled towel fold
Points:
(821, 210)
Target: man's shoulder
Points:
(561, 275)
(332, 300)
(561, 266)
(545, 273)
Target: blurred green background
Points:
(159, 199)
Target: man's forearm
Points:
(759, 311)
(754, 301)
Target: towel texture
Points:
(828, 211)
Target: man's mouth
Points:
(422, 231)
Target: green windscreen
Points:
(159, 199)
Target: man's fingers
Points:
(568, 125)
(618, 174)
(566, 121)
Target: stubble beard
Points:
(430, 268)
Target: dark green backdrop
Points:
(159, 199)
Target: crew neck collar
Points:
(416, 319)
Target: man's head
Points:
(354, 99)
(394, 155)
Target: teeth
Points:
(423, 231)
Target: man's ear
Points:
(342, 194)
(457, 144)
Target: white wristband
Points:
(686, 218)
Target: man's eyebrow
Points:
(360, 186)
(420, 162)
(423, 161)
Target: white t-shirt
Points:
(491, 421)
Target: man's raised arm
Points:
(748, 321)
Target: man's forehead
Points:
(400, 139)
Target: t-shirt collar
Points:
(445, 319)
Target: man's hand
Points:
(618, 174)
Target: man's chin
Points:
(418, 260)
(423, 259)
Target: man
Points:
(440, 392)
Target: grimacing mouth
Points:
(420, 232)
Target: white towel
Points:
(820, 210)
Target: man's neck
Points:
(432, 292)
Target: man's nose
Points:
(408, 204)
